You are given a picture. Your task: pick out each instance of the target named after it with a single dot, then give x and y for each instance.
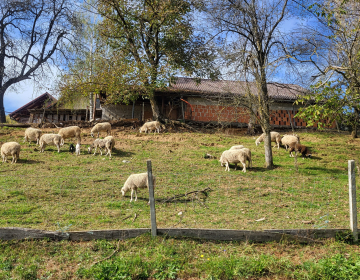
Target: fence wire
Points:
(188, 200)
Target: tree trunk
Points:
(155, 109)
(268, 151)
(91, 107)
(2, 109)
(354, 132)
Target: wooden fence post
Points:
(352, 199)
(152, 200)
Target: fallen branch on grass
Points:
(195, 193)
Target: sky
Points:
(25, 93)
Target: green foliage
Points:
(140, 46)
(327, 103)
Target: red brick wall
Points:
(208, 113)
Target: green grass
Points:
(145, 257)
(47, 189)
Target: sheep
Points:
(109, 145)
(295, 147)
(288, 140)
(235, 156)
(275, 137)
(69, 132)
(134, 182)
(72, 148)
(77, 149)
(32, 134)
(98, 143)
(10, 148)
(106, 126)
(50, 139)
(150, 126)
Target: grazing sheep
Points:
(275, 137)
(235, 156)
(10, 148)
(50, 139)
(150, 126)
(134, 182)
(288, 140)
(77, 149)
(32, 134)
(109, 145)
(294, 147)
(106, 126)
(98, 143)
(69, 132)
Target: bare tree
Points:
(332, 47)
(33, 35)
(254, 47)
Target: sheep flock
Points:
(233, 155)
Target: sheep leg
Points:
(95, 151)
(132, 191)
(227, 168)
(244, 165)
(58, 146)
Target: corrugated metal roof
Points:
(210, 87)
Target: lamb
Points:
(50, 139)
(275, 137)
(295, 147)
(32, 134)
(98, 143)
(288, 140)
(235, 156)
(10, 148)
(106, 126)
(107, 143)
(150, 126)
(110, 144)
(134, 182)
(77, 149)
(69, 132)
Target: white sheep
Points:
(10, 148)
(77, 149)
(109, 145)
(288, 140)
(134, 182)
(32, 134)
(275, 137)
(150, 126)
(50, 139)
(235, 156)
(69, 132)
(98, 143)
(106, 126)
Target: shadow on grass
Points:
(120, 153)
(325, 170)
(30, 161)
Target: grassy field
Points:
(63, 192)
(157, 258)
(60, 191)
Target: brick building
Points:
(220, 101)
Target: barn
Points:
(213, 101)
